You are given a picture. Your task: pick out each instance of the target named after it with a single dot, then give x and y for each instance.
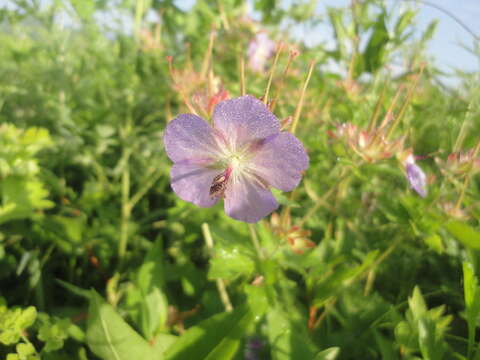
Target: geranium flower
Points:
(260, 49)
(237, 159)
(415, 176)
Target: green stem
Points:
(272, 72)
(126, 211)
(221, 287)
(256, 243)
(298, 110)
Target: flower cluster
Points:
(238, 159)
(460, 163)
(297, 238)
(370, 145)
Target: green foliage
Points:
(218, 337)
(14, 321)
(423, 329)
(110, 337)
(336, 273)
(22, 191)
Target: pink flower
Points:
(237, 159)
(260, 49)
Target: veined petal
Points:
(280, 160)
(246, 199)
(243, 120)
(192, 181)
(189, 137)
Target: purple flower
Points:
(237, 159)
(260, 49)
(416, 177)
(253, 347)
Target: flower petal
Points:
(280, 161)
(243, 120)
(246, 199)
(417, 179)
(192, 181)
(189, 137)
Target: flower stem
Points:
(466, 180)
(272, 71)
(298, 110)
(293, 55)
(221, 287)
(405, 104)
(242, 75)
(344, 178)
(208, 56)
(126, 211)
(125, 185)
(256, 243)
(463, 130)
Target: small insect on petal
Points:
(219, 184)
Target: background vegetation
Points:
(100, 260)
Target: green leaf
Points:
(150, 280)
(430, 31)
(386, 346)
(21, 197)
(435, 243)
(25, 350)
(328, 354)
(472, 302)
(86, 294)
(340, 31)
(215, 338)
(110, 337)
(405, 335)
(287, 340)
(162, 342)
(403, 22)
(417, 303)
(464, 233)
(430, 347)
(13, 322)
(84, 8)
(53, 332)
(230, 263)
(375, 50)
